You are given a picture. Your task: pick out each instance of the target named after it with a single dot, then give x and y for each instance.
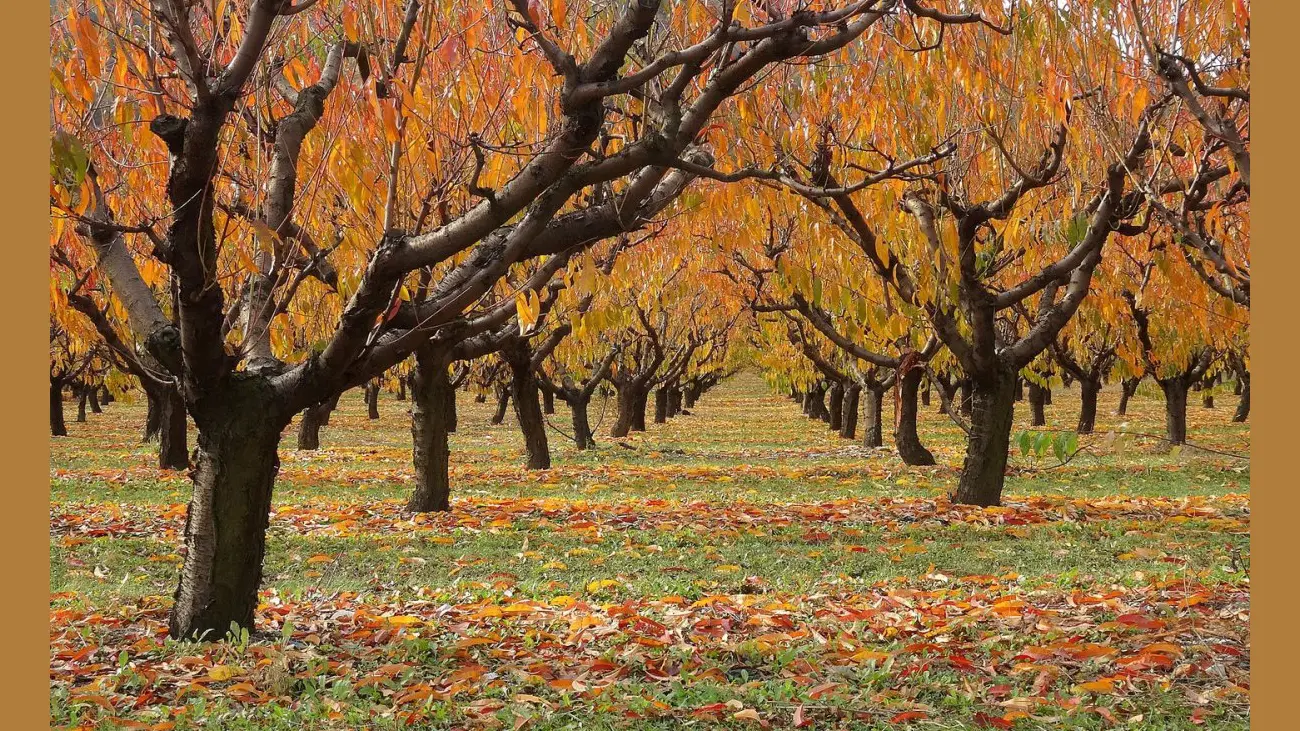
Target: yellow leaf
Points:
(601, 584)
(224, 672)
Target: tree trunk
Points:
(449, 404)
(1175, 390)
(1207, 397)
(967, 400)
(906, 439)
(807, 403)
(873, 433)
(638, 410)
(57, 427)
(1243, 404)
(480, 398)
(548, 402)
(661, 405)
(674, 401)
(626, 405)
(528, 410)
(372, 400)
(1047, 395)
(432, 399)
(1020, 389)
(81, 404)
(173, 441)
(925, 393)
(582, 436)
(992, 410)
(225, 529)
(1127, 388)
(1088, 390)
(835, 407)
(689, 398)
(330, 406)
(849, 411)
(401, 388)
(92, 397)
(153, 413)
(313, 418)
(106, 397)
(1037, 400)
(503, 402)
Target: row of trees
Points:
(259, 207)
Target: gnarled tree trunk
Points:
(906, 439)
(1175, 391)
(225, 529)
(626, 406)
(582, 436)
(983, 473)
(1127, 388)
(1243, 404)
(835, 409)
(173, 447)
(503, 401)
(872, 419)
(849, 411)
(432, 399)
(638, 410)
(313, 418)
(1037, 400)
(528, 410)
(1088, 390)
(57, 426)
(372, 400)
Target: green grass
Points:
(744, 498)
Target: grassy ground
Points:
(740, 566)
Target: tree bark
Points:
(1175, 390)
(1088, 390)
(849, 411)
(503, 402)
(906, 439)
(1127, 388)
(1020, 389)
(57, 426)
(661, 405)
(983, 474)
(225, 529)
(330, 406)
(925, 393)
(92, 398)
(872, 420)
(313, 418)
(153, 413)
(372, 400)
(432, 399)
(674, 401)
(626, 405)
(835, 409)
(967, 399)
(638, 409)
(107, 396)
(689, 398)
(401, 388)
(173, 440)
(1207, 397)
(582, 436)
(1037, 400)
(81, 404)
(528, 410)
(1243, 404)
(548, 402)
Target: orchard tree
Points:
(447, 143)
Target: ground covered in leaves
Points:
(737, 567)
